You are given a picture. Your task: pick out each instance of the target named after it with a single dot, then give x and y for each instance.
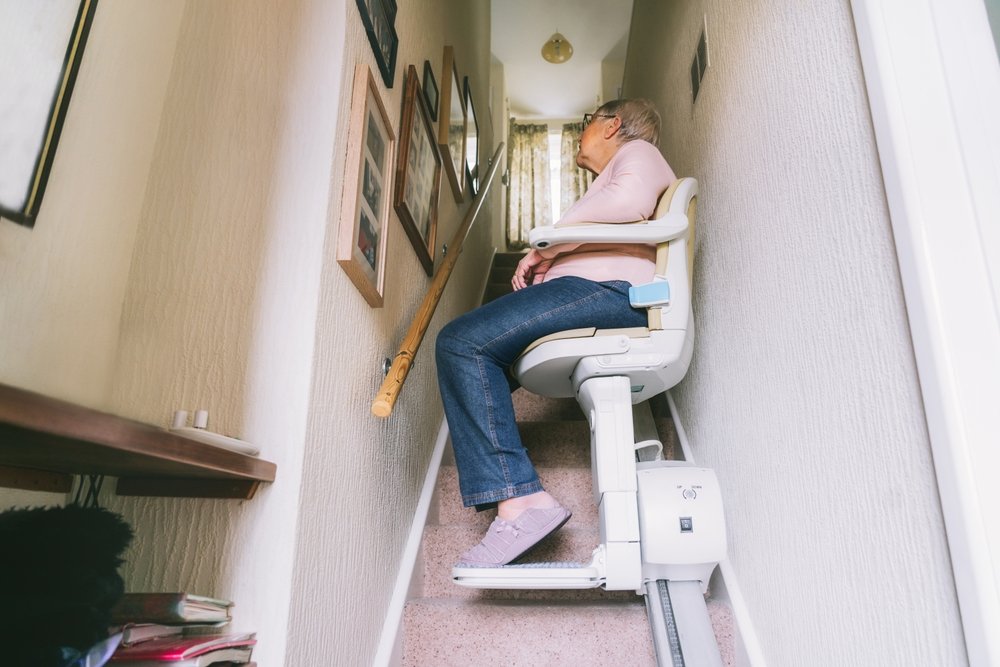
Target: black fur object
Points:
(58, 581)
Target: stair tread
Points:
(451, 632)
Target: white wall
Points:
(363, 475)
(183, 259)
(803, 392)
(220, 310)
(62, 283)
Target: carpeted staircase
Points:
(448, 624)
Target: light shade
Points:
(557, 49)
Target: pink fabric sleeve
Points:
(626, 191)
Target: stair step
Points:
(557, 444)
(531, 407)
(571, 486)
(446, 632)
(442, 546)
(495, 292)
(507, 258)
(502, 274)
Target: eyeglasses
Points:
(588, 117)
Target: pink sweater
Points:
(626, 191)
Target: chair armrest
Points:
(661, 230)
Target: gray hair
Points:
(640, 119)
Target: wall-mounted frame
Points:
(430, 89)
(364, 210)
(41, 45)
(451, 124)
(471, 141)
(379, 18)
(418, 173)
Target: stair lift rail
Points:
(662, 530)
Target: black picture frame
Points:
(37, 167)
(378, 17)
(471, 140)
(390, 10)
(430, 89)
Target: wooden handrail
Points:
(401, 364)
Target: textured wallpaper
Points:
(235, 304)
(803, 392)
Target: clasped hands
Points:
(530, 270)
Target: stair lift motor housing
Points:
(681, 521)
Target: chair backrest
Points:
(680, 197)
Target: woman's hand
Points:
(530, 270)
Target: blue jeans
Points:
(474, 354)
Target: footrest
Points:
(528, 575)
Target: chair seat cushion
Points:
(588, 332)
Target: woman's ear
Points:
(611, 129)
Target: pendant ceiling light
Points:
(557, 49)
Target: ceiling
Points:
(598, 31)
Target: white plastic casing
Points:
(681, 521)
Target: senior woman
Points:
(563, 287)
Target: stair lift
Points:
(662, 530)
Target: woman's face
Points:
(592, 142)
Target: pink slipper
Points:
(506, 540)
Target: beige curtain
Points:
(573, 181)
(528, 200)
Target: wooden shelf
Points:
(38, 433)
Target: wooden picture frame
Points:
(378, 17)
(471, 141)
(451, 125)
(418, 173)
(430, 89)
(364, 212)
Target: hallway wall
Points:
(183, 259)
(803, 392)
(362, 475)
(63, 282)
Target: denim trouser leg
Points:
(473, 354)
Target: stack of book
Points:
(177, 630)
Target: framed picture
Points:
(390, 10)
(471, 142)
(418, 173)
(364, 213)
(379, 18)
(42, 47)
(430, 90)
(451, 126)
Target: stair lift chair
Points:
(661, 524)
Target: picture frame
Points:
(40, 74)
(471, 141)
(364, 213)
(418, 173)
(378, 17)
(451, 125)
(390, 10)
(430, 89)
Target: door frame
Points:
(933, 82)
